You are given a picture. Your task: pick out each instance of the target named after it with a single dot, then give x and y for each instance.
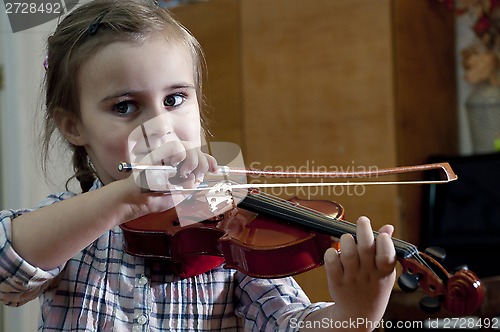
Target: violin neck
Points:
(310, 219)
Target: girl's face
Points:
(125, 85)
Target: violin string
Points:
(408, 248)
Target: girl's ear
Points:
(70, 129)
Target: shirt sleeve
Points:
(21, 282)
(273, 304)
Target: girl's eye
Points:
(173, 100)
(125, 108)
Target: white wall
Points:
(22, 184)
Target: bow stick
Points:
(444, 168)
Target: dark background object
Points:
(463, 217)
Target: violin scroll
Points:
(465, 292)
(460, 293)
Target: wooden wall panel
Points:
(313, 92)
(216, 25)
(425, 89)
(318, 88)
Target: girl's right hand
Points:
(191, 163)
(159, 189)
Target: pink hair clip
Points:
(46, 62)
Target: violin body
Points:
(263, 246)
(160, 236)
(268, 237)
(185, 250)
(244, 240)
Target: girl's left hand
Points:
(361, 276)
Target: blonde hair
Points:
(81, 34)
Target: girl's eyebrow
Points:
(115, 96)
(133, 92)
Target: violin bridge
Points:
(220, 198)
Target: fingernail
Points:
(199, 177)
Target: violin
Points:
(254, 236)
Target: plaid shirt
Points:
(105, 289)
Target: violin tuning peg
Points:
(437, 253)
(430, 305)
(408, 282)
(460, 268)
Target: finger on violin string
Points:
(389, 229)
(385, 258)
(365, 242)
(349, 258)
(333, 265)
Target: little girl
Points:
(112, 66)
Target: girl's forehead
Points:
(124, 67)
(153, 44)
(151, 57)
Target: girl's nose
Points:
(150, 134)
(159, 126)
(153, 131)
